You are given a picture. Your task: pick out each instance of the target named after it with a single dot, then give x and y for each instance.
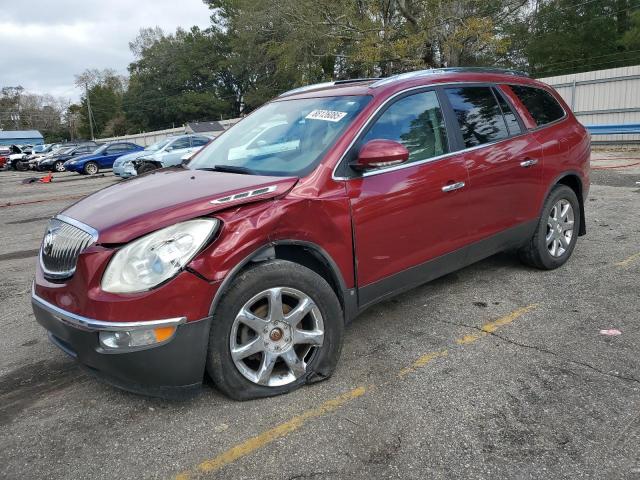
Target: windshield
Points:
(282, 138)
(65, 150)
(101, 148)
(158, 145)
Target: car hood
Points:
(161, 198)
(130, 156)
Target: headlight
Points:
(134, 339)
(154, 258)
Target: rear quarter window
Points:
(541, 105)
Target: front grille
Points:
(62, 244)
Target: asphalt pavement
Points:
(495, 371)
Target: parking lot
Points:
(495, 371)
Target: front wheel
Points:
(279, 326)
(90, 168)
(58, 166)
(22, 166)
(557, 233)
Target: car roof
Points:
(402, 81)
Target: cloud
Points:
(43, 44)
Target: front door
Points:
(406, 215)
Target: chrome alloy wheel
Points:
(560, 228)
(91, 168)
(275, 335)
(59, 166)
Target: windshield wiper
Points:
(229, 169)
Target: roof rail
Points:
(317, 86)
(435, 71)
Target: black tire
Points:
(535, 253)
(90, 168)
(146, 167)
(22, 166)
(256, 279)
(58, 166)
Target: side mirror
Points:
(380, 153)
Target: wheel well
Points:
(575, 184)
(314, 261)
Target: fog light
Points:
(128, 339)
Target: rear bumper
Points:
(170, 370)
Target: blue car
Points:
(101, 158)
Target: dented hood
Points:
(143, 204)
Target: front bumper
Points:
(170, 370)
(124, 171)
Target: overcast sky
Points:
(44, 43)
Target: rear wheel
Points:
(555, 237)
(90, 168)
(278, 327)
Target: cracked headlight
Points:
(157, 257)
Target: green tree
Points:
(176, 78)
(103, 92)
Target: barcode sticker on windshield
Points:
(326, 115)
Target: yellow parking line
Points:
(422, 361)
(251, 445)
(628, 260)
(259, 441)
(493, 326)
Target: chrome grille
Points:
(63, 241)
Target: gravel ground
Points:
(495, 371)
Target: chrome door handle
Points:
(528, 163)
(453, 186)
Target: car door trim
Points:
(431, 269)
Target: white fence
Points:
(610, 97)
(147, 138)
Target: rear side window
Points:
(509, 117)
(416, 121)
(540, 103)
(478, 114)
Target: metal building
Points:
(21, 137)
(603, 97)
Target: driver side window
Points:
(416, 121)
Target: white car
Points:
(165, 153)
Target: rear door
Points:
(504, 162)
(406, 215)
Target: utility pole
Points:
(86, 89)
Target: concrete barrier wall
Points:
(147, 138)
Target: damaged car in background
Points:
(170, 154)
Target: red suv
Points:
(249, 261)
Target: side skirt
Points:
(393, 285)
